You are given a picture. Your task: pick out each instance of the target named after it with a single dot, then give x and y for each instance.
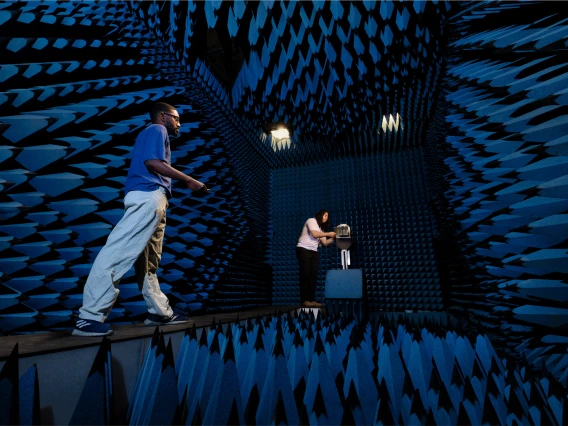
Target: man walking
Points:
(137, 238)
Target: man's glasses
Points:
(176, 118)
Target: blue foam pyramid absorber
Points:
(95, 405)
(277, 390)
(57, 184)
(37, 157)
(256, 370)
(162, 407)
(225, 405)
(321, 388)
(356, 375)
(9, 387)
(206, 382)
(143, 395)
(29, 397)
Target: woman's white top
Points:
(306, 240)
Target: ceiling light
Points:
(390, 123)
(281, 133)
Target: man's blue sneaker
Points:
(154, 319)
(88, 328)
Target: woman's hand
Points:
(327, 238)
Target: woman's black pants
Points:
(309, 261)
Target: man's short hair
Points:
(159, 107)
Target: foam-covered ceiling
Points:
(327, 69)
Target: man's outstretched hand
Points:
(201, 191)
(196, 186)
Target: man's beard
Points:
(173, 131)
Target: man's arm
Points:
(164, 169)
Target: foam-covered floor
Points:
(310, 369)
(331, 370)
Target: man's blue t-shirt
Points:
(152, 143)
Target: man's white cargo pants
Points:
(135, 240)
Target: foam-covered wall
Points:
(384, 201)
(498, 173)
(77, 81)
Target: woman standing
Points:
(311, 238)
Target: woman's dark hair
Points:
(319, 217)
